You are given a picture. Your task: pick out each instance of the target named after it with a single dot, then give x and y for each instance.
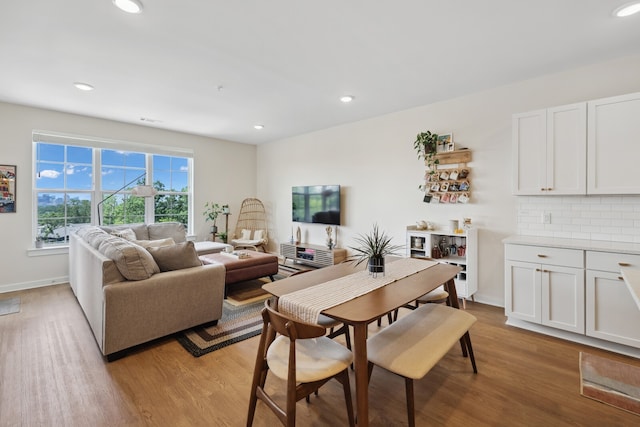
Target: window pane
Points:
(162, 180)
(50, 175)
(51, 216)
(179, 181)
(170, 173)
(79, 177)
(172, 208)
(116, 178)
(50, 152)
(161, 163)
(80, 155)
(123, 158)
(122, 209)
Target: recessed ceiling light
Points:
(627, 9)
(259, 127)
(129, 6)
(83, 86)
(347, 98)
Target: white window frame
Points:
(40, 136)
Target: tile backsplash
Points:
(607, 218)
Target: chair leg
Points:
(344, 379)
(467, 339)
(411, 414)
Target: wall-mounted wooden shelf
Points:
(457, 189)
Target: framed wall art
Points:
(445, 143)
(7, 188)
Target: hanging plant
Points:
(425, 146)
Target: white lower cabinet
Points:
(544, 293)
(611, 313)
(576, 294)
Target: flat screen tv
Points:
(319, 204)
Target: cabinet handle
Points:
(624, 264)
(549, 189)
(537, 269)
(543, 189)
(620, 278)
(545, 271)
(541, 256)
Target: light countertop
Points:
(589, 245)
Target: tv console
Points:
(314, 255)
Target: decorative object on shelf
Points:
(453, 225)
(466, 223)
(298, 235)
(426, 144)
(225, 209)
(445, 143)
(329, 231)
(7, 188)
(373, 248)
(211, 212)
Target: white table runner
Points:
(306, 304)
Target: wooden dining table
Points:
(363, 310)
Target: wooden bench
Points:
(413, 345)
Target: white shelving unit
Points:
(420, 243)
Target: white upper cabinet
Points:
(613, 141)
(550, 151)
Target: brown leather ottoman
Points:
(257, 265)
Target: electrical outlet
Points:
(546, 217)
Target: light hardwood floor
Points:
(52, 374)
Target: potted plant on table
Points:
(373, 248)
(211, 212)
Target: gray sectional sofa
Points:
(140, 282)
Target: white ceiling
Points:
(284, 63)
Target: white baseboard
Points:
(12, 287)
(570, 336)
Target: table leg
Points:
(362, 378)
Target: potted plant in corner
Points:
(425, 146)
(373, 248)
(211, 212)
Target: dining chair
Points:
(303, 357)
(331, 324)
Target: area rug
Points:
(237, 324)
(611, 382)
(240, 320)
(9, 306)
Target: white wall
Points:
(376, 165)
(216, 179)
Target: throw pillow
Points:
(246, 235)
(162, 230)
(155, 243)
(133, 261)
(176, 257)
(258, 235)
(125, 233)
